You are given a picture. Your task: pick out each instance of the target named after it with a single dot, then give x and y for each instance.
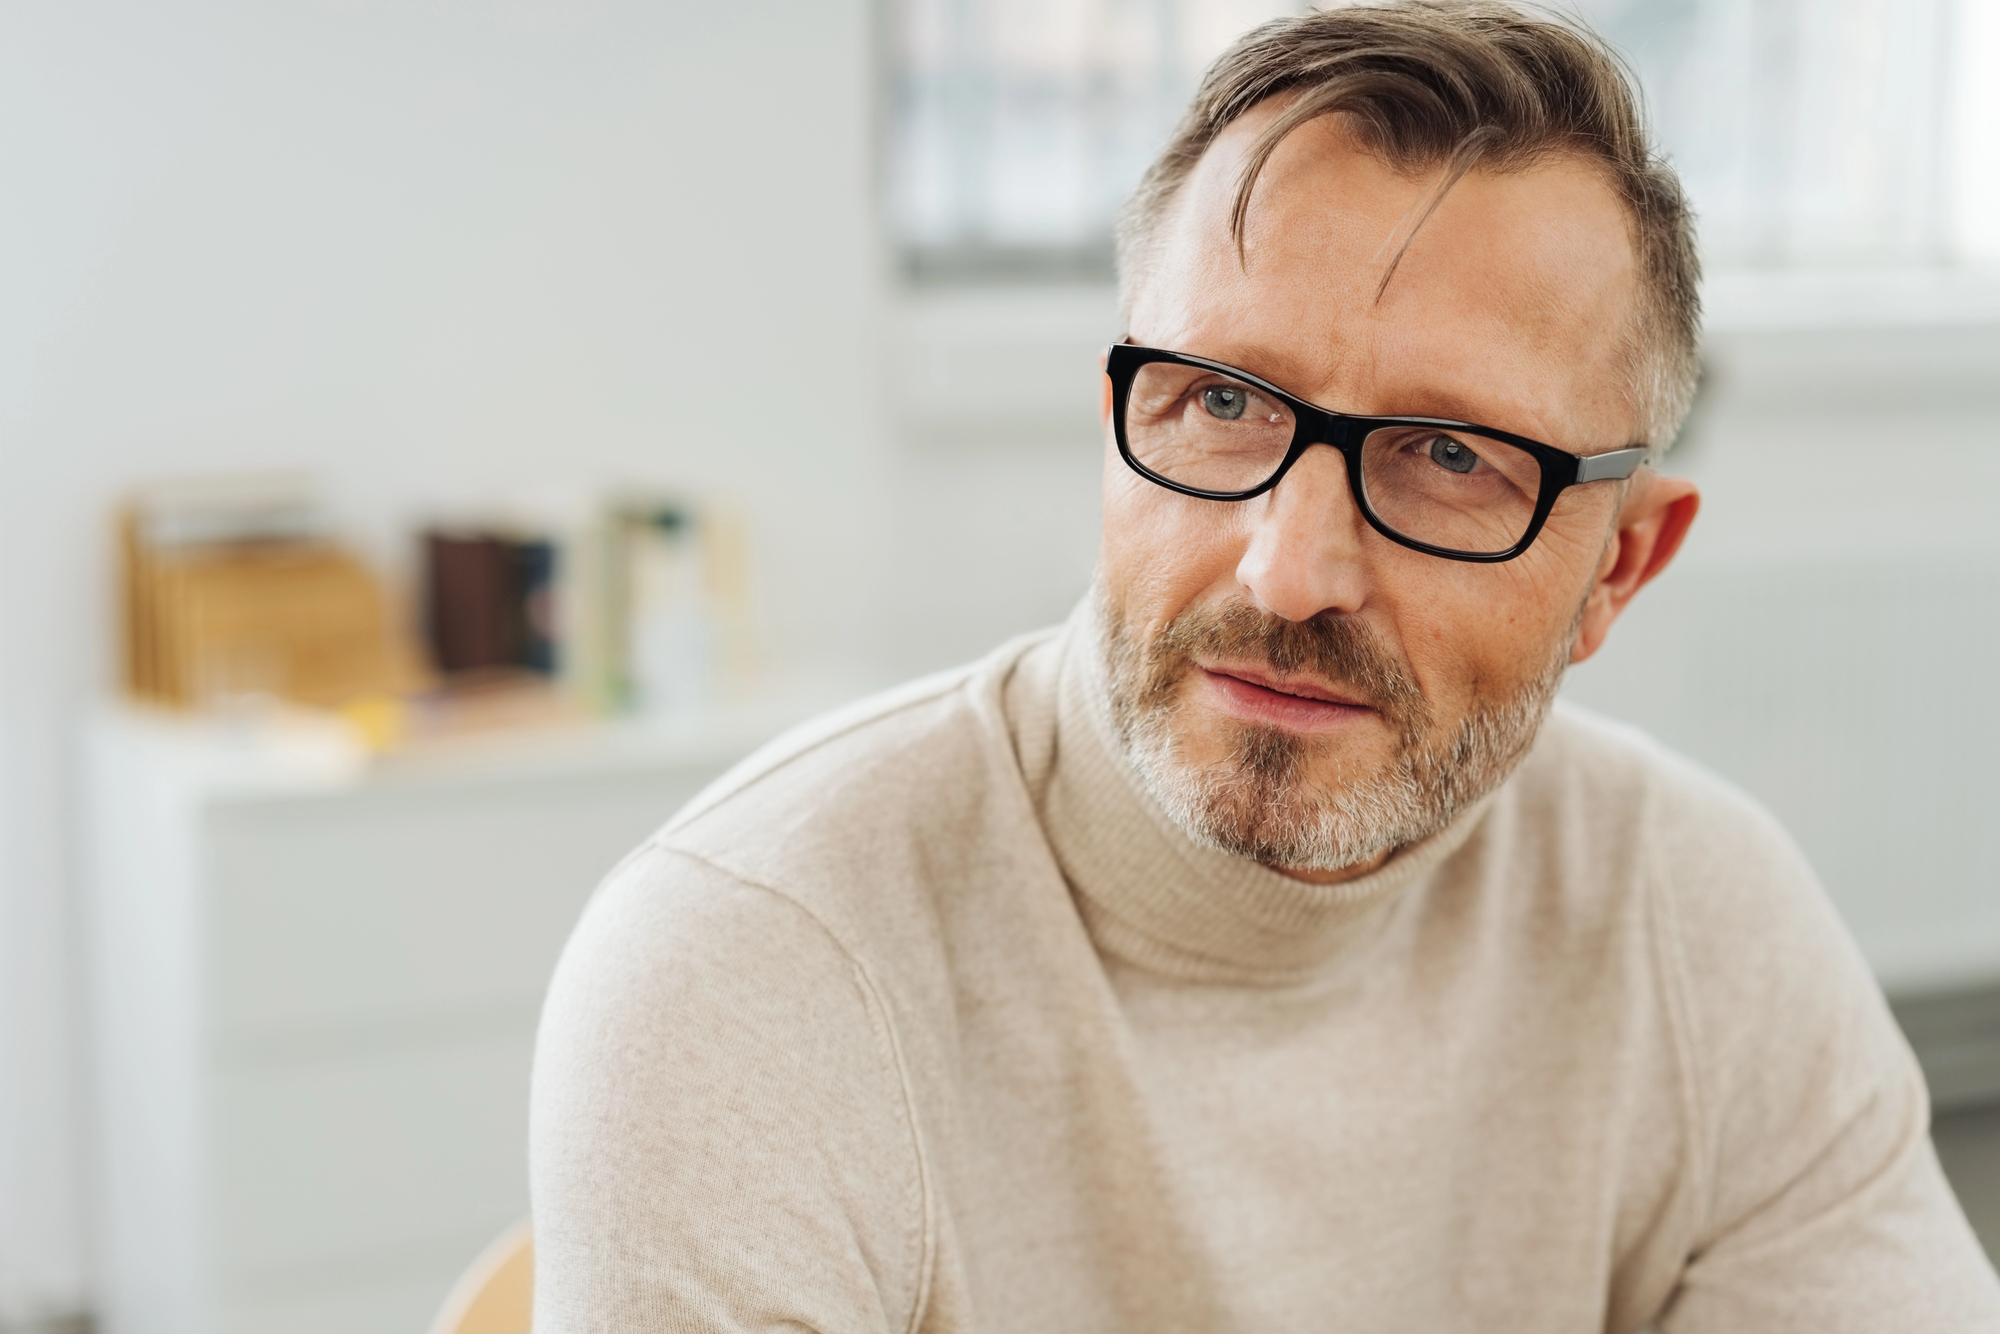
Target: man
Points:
(1259, 951)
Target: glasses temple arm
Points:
(1615, 466)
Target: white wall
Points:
(997, 455)
(438, 252)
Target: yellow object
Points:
(496, 1293)
(376, 719)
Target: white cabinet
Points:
(314, 992)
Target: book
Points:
(234, 587)
(489, 601)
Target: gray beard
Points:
(1262, 801)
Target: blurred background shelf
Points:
(315, 984)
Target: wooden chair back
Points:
(496, 1293)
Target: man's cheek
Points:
(1198, 554)
(1483, 643)
(1154, 576)
(1441, 638)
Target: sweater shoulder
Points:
(1603, 761)
(1620, 791)
(687, 1013)
(1621, 828)
(1775, 989)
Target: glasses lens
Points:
(1205, 430)
(1451, 488)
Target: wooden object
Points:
(291, 617)
(496, 1293)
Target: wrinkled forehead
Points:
(1517, 284)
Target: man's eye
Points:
(1452, 455)
(1224, 402)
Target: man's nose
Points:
(1307, 542)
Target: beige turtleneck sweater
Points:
(926, 1019)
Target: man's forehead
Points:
(1525, 274)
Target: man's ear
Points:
(1651, 523)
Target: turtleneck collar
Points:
(1152, 897)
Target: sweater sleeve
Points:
(720, 1137)
(1826, 1208)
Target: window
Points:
(1019, 126)
(1823, 134)
(1811, 133)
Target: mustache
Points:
(1333, 646)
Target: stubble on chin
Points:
(1288, 800)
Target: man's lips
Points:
(1262, 697)
(1299, 689)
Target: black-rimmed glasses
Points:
(1448, 488)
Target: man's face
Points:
(1293, 685)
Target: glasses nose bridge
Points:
(1338, 432)
(1317, 426)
